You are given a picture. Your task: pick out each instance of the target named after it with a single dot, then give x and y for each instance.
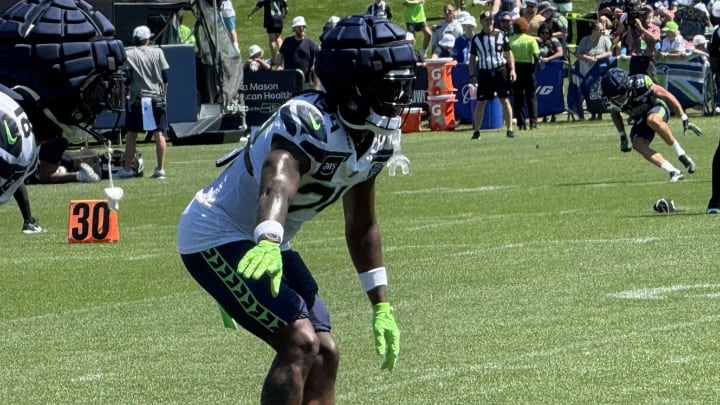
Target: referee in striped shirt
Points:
(492, 68)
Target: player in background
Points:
(647, 105)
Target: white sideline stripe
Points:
(660, 293)
(444, 375)
(451, 190)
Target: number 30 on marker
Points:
(92, 221)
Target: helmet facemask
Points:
(377, 104)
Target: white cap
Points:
(299, 22)
(254, 50)
(142, 33)
(333, 20)
(468, 20)
(409, 36)
(447, 41)
(699, 40)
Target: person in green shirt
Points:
(526, 51)
(415, 20)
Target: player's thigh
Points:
(248, 301)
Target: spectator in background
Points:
(419, 56)
(640, 37)
(673, 44)
(492, 69)
(506, 6)
(715, 14)
(557, 23)
(699, 45)
(450, 26)
(526, 53)
(415, 20)
(380, 8)
(227, 11)
(461, 50)
(530, 13)
(274, 13)
(255, 60)
(147, 71)
(550, 49)
(298, 52)
(184, 32)
(592, 48)
(505, 22)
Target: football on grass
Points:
(664, 205)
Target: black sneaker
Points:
(32, 226)
(510, 134)
(624, 146)
(688, 163)
(475, 135)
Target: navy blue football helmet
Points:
(615, 82)
(65, 52)
(367, 68)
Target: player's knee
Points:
(304, 343)
(329, 352)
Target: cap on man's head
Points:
(699, 39)
(255, 50)
(531, 2)
(486, 15)
(545, 6)
(333, 20)
(142, 33)
(299, 21)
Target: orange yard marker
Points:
(92, 221)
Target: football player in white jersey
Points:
(18, 157)
(318, 148)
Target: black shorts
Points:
(274, 24)
(415, 27)
(492, 82)
(249, 301)
(134, 120)
(642, 130)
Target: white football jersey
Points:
(18, 152)
(226, 210)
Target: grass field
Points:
(526, 270)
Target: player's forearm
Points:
(279, 183)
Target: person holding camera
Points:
(639, 38)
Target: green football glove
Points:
(687, 125)
(387, 335)
(263, 259)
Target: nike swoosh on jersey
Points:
(10, 137)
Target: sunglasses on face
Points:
(544, 32)
(505, 21)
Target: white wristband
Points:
(270, 230)
(373, 278)
(684, 117)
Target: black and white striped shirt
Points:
(489, 49)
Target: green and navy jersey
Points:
(641, 97)
(226, 210)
